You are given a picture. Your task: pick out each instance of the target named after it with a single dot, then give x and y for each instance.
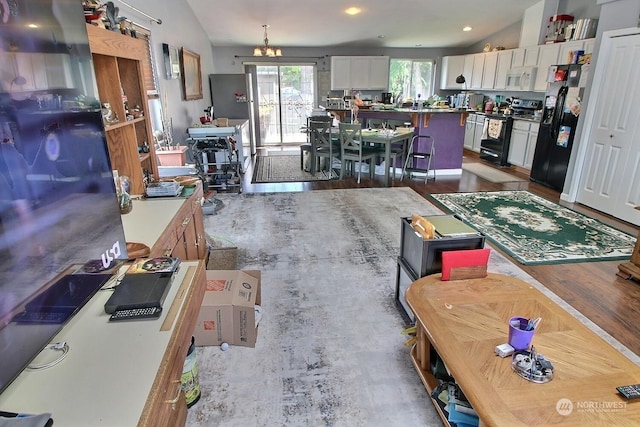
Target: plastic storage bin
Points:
(424, 257)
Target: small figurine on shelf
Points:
(112, 16)
(108, 115)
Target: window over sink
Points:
(410, 77)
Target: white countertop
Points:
(107, 375)
(138, 225)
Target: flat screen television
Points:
(61, 234)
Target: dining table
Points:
(383, 137)
(387, 138)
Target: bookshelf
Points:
(118, 64)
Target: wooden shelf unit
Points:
(118, 64)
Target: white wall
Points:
(179, 28)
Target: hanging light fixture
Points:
(266, 50)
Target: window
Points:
(409, 77)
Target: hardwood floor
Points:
(592, 288)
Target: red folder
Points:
(465, 264)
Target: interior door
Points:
(610, 178)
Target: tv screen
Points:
(61, 234)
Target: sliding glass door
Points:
(286, 95)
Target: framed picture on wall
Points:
(191, 75)
(171, 56)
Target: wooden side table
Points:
(631, 269)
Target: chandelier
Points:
(266, 50)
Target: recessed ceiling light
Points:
(353, 11)
(32, 25)
(467, 28)
(381, 36)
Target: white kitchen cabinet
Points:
(379, 72)
(502, 67)
(340, 72)
(452, 67)
(469, 131)
(518, 143)
(531, 56)
(468, 70)
(478, 68)
(478, 132)
(489, 70)
(359, 72)
(517, 58)
(532, 139)
(523, 143)
(547, 56)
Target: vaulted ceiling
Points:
(380, 23)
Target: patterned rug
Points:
(536, 231)
(329, 349)
(283, 168)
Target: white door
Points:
(610, 178)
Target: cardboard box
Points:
(228, 313)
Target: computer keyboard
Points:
(136, 313)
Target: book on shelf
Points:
(450, 226)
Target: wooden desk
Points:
(117, 373)
(376, 138)
(464, 320)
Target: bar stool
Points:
(410, 163)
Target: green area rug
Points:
(283, 168)
(534, 230)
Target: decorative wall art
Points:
(191, 75)
(171, 57)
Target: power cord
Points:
(58, 346)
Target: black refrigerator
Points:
(557, 126)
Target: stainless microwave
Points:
(521, 78)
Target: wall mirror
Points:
(191, 75)
(171, 61)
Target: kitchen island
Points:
(445, 125)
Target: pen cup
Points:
(519, 337)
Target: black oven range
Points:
(496, 131)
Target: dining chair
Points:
(397, 150)
(306, 147)
(321, 136)
(352, 150)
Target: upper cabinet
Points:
(488, 71)
(359, 72)
(502, 68)
(452, 67)
(547, 56)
